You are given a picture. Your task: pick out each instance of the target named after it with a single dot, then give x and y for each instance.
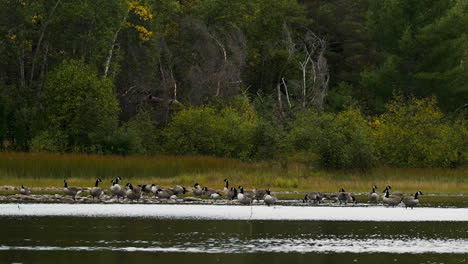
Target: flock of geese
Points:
(245, 197)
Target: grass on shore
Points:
(49, 170)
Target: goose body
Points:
(244, 198)
(164, 193)
(96, 191)
(315, 197)
(146, 188)
(25, 190)
(259, 194)
(116, 189)
(179, 190)
(133, 193)
(373, 196)
(345, 197)
(268, 198)
(391, 200)
(71, 191)
(197, 190)
(412, 201)
(207, 192)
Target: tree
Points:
(424, 48)
(81, 107)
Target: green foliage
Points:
(80, 105)
(145, 128)
(423, 45)
(342, 141)
(46, 142)
(227, 132)
(414, 133)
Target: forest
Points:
(334, 84)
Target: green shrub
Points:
(342, 141)
(415, 133)
(45, 142)
(228, 132)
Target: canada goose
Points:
(232, 193)
(226, 189)
(179, 190)
(133, 193)
(25, 190)
(116, 189)
(391, 200)
(207, 192)
(259, 194)
(215, 195)
(250, 194)
(268, 198)
(146, 188)
(411, 201)
(72, 191)
(244, 198)
(373, 196)
(345, 197)
(197, 190)
(396, 193)
(315, 197)
(164, 194)
(96, 191)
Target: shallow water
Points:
(150, 238)
(238, 212)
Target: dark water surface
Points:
(148, 240)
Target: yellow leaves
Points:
(36, 18)
(143, 33)
(12, 36)
(141, 11)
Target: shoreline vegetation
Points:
(48, 170)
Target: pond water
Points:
(39, 233)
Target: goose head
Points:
(342, 190)
(129, 185)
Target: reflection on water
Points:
(116, 240)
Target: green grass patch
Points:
(49, 170)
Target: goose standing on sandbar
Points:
(373, 196)
(133, 193)
(411, 201)
(345, 197)
(96, 191)
(268, 198)
(244, 198)
(391, 200)
(117, 190)
(197, 190)
(71, 191)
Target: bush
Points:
(80, 105)
(45, 142)
(228, 132)
(342, 141)
(415, 133)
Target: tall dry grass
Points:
(48, 170)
